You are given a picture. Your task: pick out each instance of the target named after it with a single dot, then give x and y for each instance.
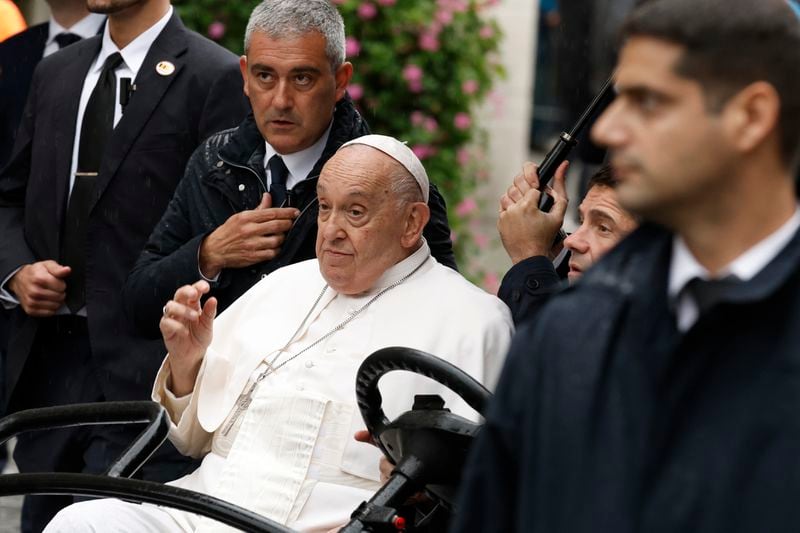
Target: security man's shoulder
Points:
(58, 59)
(207, 53)
(206, 156)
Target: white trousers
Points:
(113, 516)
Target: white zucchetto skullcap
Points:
(401, 153)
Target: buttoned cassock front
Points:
(292, 456)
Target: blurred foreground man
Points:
(293, 344)
(660, 393)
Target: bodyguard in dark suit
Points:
(19, 55)
(74, 217)
(660, 393)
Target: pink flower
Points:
(355, 91)
(458, 6)
(216, 30)
(428, 41)
(413, 76)
(352, 47)
(423, 151)
(467, 206)
(444, 16)
(412, 73)
(462, 121)
(469, 87)
(481, 240)
(491, 283)
(387, 3)
(462, 156)
(486, 32)
(367, 11)
(431, 125)
(417, 118)
(497, 103)
(453, 236)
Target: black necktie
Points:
(65, 39)
(96, 128)
(708, 293)
(277, 175)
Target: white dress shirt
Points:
(132, 58)
(684, 267)
(87, 27)
(300, 164)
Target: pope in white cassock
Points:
(269, 404)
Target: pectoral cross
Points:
(246, 398)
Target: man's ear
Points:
(752, 116)
(243, 69)
(417, 216)
(343, 76)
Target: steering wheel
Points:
(429, 444)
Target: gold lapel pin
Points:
(165, 68)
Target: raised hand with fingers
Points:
(525, 230)
(40, 287)
(246, 238)
(187, 328)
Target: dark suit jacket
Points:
(527, 286)
(167, 117)
(19, 56)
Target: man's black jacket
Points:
(606, 418)
(527, 286)
(225, 176)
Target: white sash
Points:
(265, 470)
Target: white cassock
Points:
(291, 455)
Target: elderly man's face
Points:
(603, 224)
(362, 228)
(668, 149)
(292, 88)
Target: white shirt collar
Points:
(396, 272)
(300, 164)
(87, 27)
(133, 55)
(684, 267)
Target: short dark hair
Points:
(604, 178)
(729, 45)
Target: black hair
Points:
(730, 44)
(604, 178)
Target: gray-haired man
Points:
(247, 204)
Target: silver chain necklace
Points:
(246, 397)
